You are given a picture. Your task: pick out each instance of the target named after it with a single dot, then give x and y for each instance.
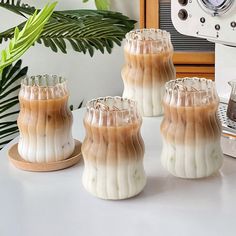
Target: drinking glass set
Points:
(113, 149)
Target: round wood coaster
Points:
(20, 163)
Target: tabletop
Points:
(55, 203)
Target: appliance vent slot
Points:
(179, 41)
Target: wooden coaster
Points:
(20, 163)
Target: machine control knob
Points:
(183, 2)
(183, 14)
(202, 20)
(217, 27)
(233, 24)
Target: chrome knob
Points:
(183, 14)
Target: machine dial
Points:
(215, 7)
(183, 14)
(183, 2)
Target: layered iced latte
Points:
(113, 149)
(44, 120)
(191, 129)
(148, 66)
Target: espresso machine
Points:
(214, 20)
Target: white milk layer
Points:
(191, 161)
(48, 148)
(149, 98)
(114, 182)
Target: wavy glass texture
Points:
(45, 120)
(190, 129)
(148, 66)
(113, 149)
(231, 111)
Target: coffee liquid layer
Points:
(190, 125)
(113, 145)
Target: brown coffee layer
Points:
(44, 117)
(147, 69)
(112, 145)
(190, 125)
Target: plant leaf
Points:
(102, 4)
(6, 101)
(7, 124)
(16, 75)
(8, 106)
(84, 30)
(8, 134)
(15, 128)
(9, 5)
(26, 37)
(10, 77)
(5, 142)
(9, 114)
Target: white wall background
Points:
(87, 77)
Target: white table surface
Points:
(55, 203)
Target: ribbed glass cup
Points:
(44, 120)
(113, 149)
(148, 66)
(190, 129)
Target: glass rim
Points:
(173, 86)
(133, 35)
(48, 78)
(92, 104)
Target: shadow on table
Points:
(170, 185)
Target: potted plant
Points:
(84, 30)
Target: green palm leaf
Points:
(85, 30)
(9, 89)
(102, 4)
(23, 39)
